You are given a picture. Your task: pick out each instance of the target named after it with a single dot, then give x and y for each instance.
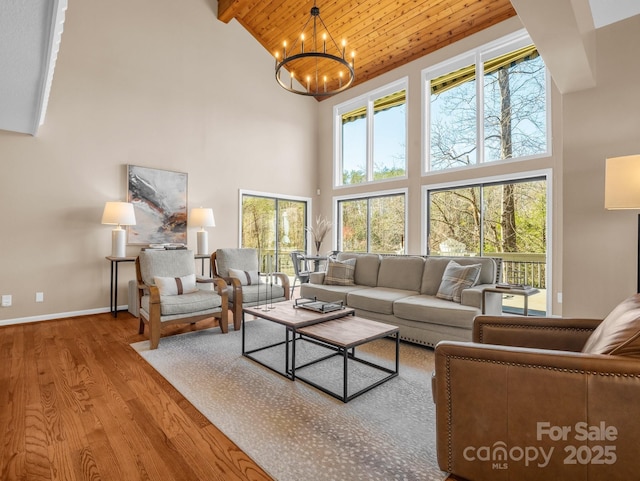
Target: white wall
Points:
(156, 83)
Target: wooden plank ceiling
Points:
(384, 34)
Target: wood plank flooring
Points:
(77, 403)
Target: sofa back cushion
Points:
(245, 259)
(367, 266)
(401, 272)
(619, 333)
(435, 266)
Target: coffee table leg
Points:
(293, 353)
(346, 357)
(243, 331)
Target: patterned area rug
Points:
(294, 431)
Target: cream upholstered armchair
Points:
(541, 398)
(240, 270)
(170, 293)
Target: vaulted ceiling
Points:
(383, 33)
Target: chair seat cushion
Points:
(187, 304)
(619, 333)
(260, 292)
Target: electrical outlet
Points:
(6, 300)
(559, 297)
(39, 296)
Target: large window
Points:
(371, 134)
(487, 106)
(499, 219)
(372, 224)
(276, 227)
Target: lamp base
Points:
(118, 242)
(203, 243)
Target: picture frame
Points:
(159, 199)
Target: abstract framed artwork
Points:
(159, 199)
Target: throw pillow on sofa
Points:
(340, 273)
(456, 278)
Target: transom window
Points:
(371, 136)
(486, 106)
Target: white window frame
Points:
(478, 56)
(505, 178)
(367, 99)
(270, 195)
(369, 195)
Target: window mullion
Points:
(370, 140)
(479, 110)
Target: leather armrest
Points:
(535, 332)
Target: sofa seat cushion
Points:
(259, 292)
(377, 299)
(186, 304)
(328, 293)
(435, 311)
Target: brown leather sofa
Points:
(541, 399)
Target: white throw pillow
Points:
(175, 286)
(246, 278)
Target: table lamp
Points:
(118, 214)
(202, 217)
(622, 189)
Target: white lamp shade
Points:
(622, 183)
(202, 217)
(118, 213)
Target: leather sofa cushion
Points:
(377, 299)
(619, 333)
(432, 310)
(367, 266)
(401, 272)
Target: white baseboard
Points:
(59, 315)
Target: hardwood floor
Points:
(77, 403)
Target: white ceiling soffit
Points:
(30, 33)
(606, 12)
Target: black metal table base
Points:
(290, 370)
(348, 354)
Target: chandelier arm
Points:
(335, 44)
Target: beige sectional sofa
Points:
(401, 290)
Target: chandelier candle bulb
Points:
(344, 46)
(302, 43)
(284, 49)
(324, 43)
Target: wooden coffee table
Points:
(342, 336)
(292, 319)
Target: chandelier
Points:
(317, 69)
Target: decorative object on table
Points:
(622, 190)
(118, 214)
(202, 217)
(318, 71)
(318, 306)
(319, 231)
(159, 198)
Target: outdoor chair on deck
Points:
(239, 268)
(300, 269)
(170, 293)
